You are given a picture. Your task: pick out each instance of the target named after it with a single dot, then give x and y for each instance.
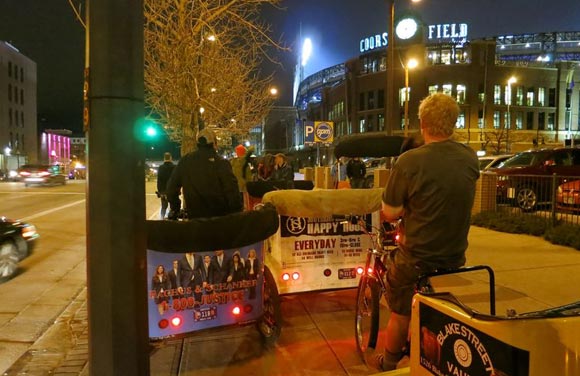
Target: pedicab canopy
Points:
(207, 234)
(322, 203)
(373, 145)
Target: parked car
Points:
(16, 243)
(42, 175)
(371, 165)
(492, 161)
(527, 178)
(568, 196)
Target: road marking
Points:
(43, 213)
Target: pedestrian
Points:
(283, 175)
(242, 168)
(163, 175)
(161, 285)
(266, 167)
(356, 172)
(432, 188)
(338, 172)
(209, 186)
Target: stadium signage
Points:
(452, 31)
(373, 42)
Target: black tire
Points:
(270, 325)
(367, 315)
(8, 260)
(526, 198)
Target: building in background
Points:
(55, 148)
(18, 127)
(515, 92)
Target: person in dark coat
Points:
(220, 265)
(174, 275)
(160, 284)
(283, 175)
(252, 265)
(356, 171)
(237, 271)
(209, 186)
(190, 270)
(163, 175)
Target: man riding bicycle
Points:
(432, 188)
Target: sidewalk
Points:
(531, 274)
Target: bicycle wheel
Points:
(367, 314)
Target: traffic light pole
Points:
(116, 242)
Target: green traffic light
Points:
(151, 131)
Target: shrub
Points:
(562, 234)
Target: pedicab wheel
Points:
(367, 315)
(270, 325)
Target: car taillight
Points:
(29, 232)
(370, 270)
(360, 270)
(44, 173)
(24, 173)
(236, 311)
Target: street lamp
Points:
(390, 111)
(411, 64)
(511, 81)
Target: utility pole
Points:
(390, 95)
(116, 242)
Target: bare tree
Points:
(204, 55)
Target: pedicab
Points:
(313, 249)
(209, 272)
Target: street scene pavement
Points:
(43, 317)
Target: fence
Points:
(555, 198)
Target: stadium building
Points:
(515, 92)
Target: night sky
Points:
(47, 32)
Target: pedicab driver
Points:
(432, 188)
(209, 185)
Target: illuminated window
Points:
(530, 97)
(446, 57)
(402, 96)
(507, 120)
(541, 96)
(496, 94)
(381, 122)
(361, 125)
(496, 119)
(507, 99)
(460, 94)
(433, 89)
(460, 120)
(520, 96)
(519, 120)
(447, 89)
(480, 123)
(551, 117)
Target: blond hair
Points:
(438, 113)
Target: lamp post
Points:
(390, 95)
(511, 81)
(411, 64)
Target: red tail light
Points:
(360, 270)
(397, 237)
(24, 173)
(44, 173)
(295, 276)
(163, 324)
(370, 271)
(236, 311)
(285, 277)
(176, 321)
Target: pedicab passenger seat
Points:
(208, 234)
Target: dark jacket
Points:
(283, 175)
(209, 186)
(163, 175)
(355, 169)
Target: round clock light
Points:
(406, 28)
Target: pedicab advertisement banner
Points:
(188, 292)
(322, 240)
(450, 348)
